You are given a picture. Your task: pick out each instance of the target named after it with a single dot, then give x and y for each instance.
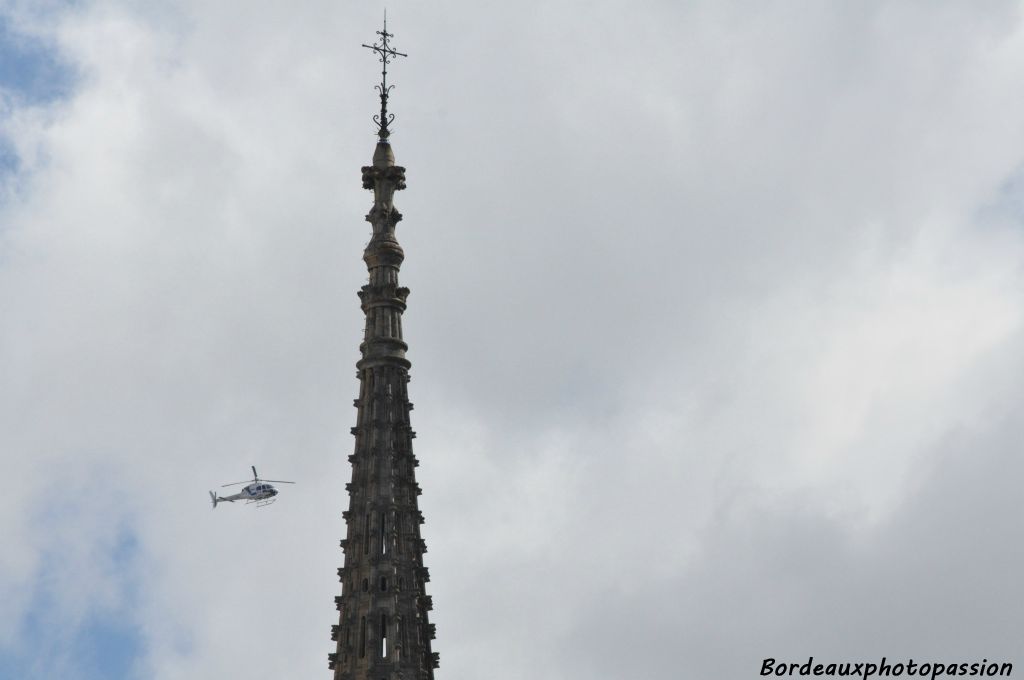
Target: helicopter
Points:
(259, 491)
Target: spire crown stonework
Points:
(383, 156)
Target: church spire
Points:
(383, 632)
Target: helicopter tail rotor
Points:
(213, 497)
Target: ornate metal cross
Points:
(386, 54)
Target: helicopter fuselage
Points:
(260, 491)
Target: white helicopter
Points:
(259, 491)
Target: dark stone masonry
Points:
(383, 630)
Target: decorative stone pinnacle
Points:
(385, 53)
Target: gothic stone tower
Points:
(383, 632)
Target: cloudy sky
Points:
(717, 331)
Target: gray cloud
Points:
(715, 326)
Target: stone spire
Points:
(383, 632)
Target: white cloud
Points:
(715, 340)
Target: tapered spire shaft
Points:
(383, 631)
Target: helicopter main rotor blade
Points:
(255, 477)
(236, 483)
(276, 481)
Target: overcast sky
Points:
(717, 331)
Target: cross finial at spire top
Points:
(385, 53)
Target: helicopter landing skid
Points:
(263, 502)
